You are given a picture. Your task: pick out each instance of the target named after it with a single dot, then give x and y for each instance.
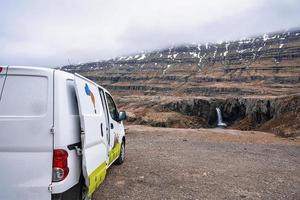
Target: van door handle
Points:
(111, 125)
(101, 129)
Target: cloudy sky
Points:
(49, 33)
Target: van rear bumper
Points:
(74, 193)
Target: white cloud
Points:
(36, 32)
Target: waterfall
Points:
(220, 120)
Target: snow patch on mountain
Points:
(142, 57)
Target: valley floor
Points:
(169, 163)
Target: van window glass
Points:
(101, 93)
(112, 107)
(24, 96)
(72, 98)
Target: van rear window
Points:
(24, 96)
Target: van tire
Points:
(83, 190)
(121, 157)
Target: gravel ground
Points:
(166, 163)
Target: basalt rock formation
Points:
(276, 114)
(251, 80)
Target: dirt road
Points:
(165, 163)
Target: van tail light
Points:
(60, 168)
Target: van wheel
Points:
(121, 157)
(83, 191)
(84, 195)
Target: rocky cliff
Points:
(249, 79)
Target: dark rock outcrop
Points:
(244, 113)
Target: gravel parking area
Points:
(166, 163)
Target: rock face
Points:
(245, 113)
(245, 78)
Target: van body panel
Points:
(66, 127)
(93, 138)
(26, 142)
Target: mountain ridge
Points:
(195, 50)
(254, 77)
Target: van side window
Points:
(112, 107)
(101, 93)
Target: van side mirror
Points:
(122, 115)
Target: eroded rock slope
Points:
(252, 80)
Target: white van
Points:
(59, 132)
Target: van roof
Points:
(29, 68)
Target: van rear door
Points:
(93, 133)
(26, 142)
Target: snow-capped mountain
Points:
(271, 58)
